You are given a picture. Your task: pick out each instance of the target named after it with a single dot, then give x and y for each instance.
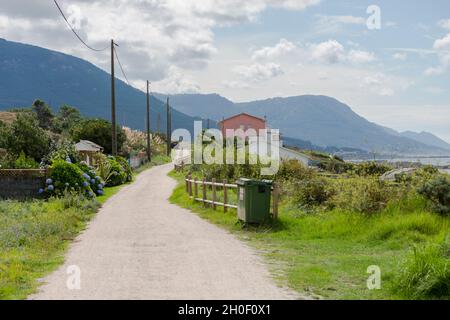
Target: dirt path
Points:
(140, 246)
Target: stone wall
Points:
(21, 184)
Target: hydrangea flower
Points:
(41, 191)
(100, 192)
(85, 184)
(100, 186)
(50, 188)
(49, 181)
(86, 176)
(93, 181)
(68, 160)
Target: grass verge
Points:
(35, 234)
(328, 254)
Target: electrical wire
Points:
(121, 67)
(73, 30)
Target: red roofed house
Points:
(242, 121)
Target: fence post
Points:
(225, 196)
(275, 198)
(195, 188)
(214, 193)
(204, 191)
(187, 183)
(190, 185)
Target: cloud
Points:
(359, 56)
(442, 48)
(259, 72)
(445, 24)
(283, 47)
(329, 51)
(153, 35)
(400, 56)
(176, 82)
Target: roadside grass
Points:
(35, 234)
(327, 254)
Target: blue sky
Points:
(247, 50)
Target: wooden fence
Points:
(192, 188)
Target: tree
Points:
(66, 119)
(99, 132)
(44, 114)
(27, 136)
(4, 133)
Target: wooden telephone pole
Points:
(169, 128)
(113, 103)
(149, 152)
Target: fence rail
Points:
(192, 188)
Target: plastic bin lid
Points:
(245, 181)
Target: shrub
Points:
(372, 168)
(363, 195)
(66, 176)
(312, 192)
(90, 176)
(127, 168)
(117, 175)
(26, 136)
(437, 191)
(425, 274)
(293, 169)
(61, 150)
(24, 162)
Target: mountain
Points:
(320, 120)
(30, 72)
(427, 138)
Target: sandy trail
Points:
(139, 246)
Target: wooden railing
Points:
(192, 188)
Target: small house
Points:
(243, 121)
(87, 150)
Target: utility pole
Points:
(168, 129)
(158, 124)
(149, 152)
(207, 124)
(113, 102)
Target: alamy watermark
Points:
(233, 146)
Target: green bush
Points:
(372, 168)
(426, 273)
(66, 176)
(293, 170)
(118, 175)
(127, 168)
(90, 176)
(24, 162)
(312, 192)
(363, 195)
(437, 191)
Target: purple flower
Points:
(50, 188)
(85, 184)
(86, 176)
(41, 191)
(100, 192)
(49, 181)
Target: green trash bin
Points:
(254, 200)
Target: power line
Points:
(73, 30)
(121, 67)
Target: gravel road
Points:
(139, 246)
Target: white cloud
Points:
(445, 24)
(153, 34)
(329, 51)
(442, 47)
(359, 56)
(400, 56)
(259, 72)
(283, 47)
(176, 82)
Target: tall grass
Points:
(33, 236)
